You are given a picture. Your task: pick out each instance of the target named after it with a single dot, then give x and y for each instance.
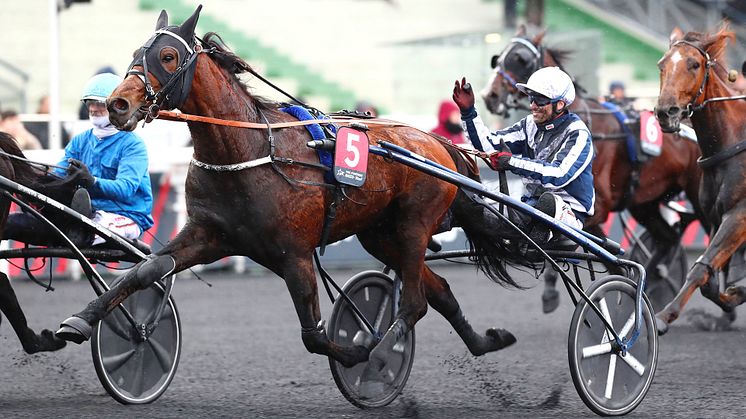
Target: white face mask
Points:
(100, 121)
(102, 127)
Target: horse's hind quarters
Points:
(74, 329)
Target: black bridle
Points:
(691, 107)
(167, 97)
(536, 63)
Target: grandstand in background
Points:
(402, 55)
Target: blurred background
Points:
(399, 57)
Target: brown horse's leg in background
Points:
(728, 238)
(664, 236)
(440, 297)
(32, 343)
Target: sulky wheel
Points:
(134, 370)
(609, 383)
(372, 293)
(666, 279)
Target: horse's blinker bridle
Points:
(183, 74)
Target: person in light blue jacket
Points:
(111, 165)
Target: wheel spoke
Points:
(161, 353)
(138, 380)
(610, 377)
(605, 311)
(381, 312)
(118, 325)
(595, 350)
(114, 362)
(636, 365)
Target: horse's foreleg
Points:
(728, 238)
(440, 297)
(300, 280)
(31, 342)
(189, 248)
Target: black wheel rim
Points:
(131, 369)
(372, 296)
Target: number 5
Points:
(352, 149)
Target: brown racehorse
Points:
(274, 212)
(660, 178)
(692, 76)
(60, 190)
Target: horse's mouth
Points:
(130, 123)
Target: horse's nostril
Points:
(118, 105)
(673, 111)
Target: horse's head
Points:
(685, 70)
(160, 75)
(520, 58)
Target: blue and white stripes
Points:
(555, 157)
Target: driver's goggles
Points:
(539, 100)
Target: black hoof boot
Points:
(549, 300)
(74, 329)
(501, 338)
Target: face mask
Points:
(453, 128)
(100, 121)
(102, 127)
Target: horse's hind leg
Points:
(440, 297)
(32, 343)
(728, 238)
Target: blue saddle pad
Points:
(630, 137)
(317, 133)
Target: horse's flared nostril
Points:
(673, 111)
(118, 105)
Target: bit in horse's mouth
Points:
(132, 121)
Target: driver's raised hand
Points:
(463, 95)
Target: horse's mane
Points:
(234, 65)
(713, 43)
(559, 56)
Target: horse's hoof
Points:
(501, 339)
(74, 329)
(549, 300)
(661, 326)
(46, 341)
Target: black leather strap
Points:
(722, 155)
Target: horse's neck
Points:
(719, 124)
(215, 144)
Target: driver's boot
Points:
(541, 233)
(76, 232)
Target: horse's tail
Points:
(60, 189)
(491, 255)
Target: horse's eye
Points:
(167, 58)
(695, 65)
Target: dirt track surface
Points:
(242, 356)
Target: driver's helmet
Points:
(552, 83)
(616, 84)
(100, 86)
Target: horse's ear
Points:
(676, 34)
(162, 20)
(539, 37)
(189, 25)
(521, 31)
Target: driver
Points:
(112, 166)
(550, 150)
